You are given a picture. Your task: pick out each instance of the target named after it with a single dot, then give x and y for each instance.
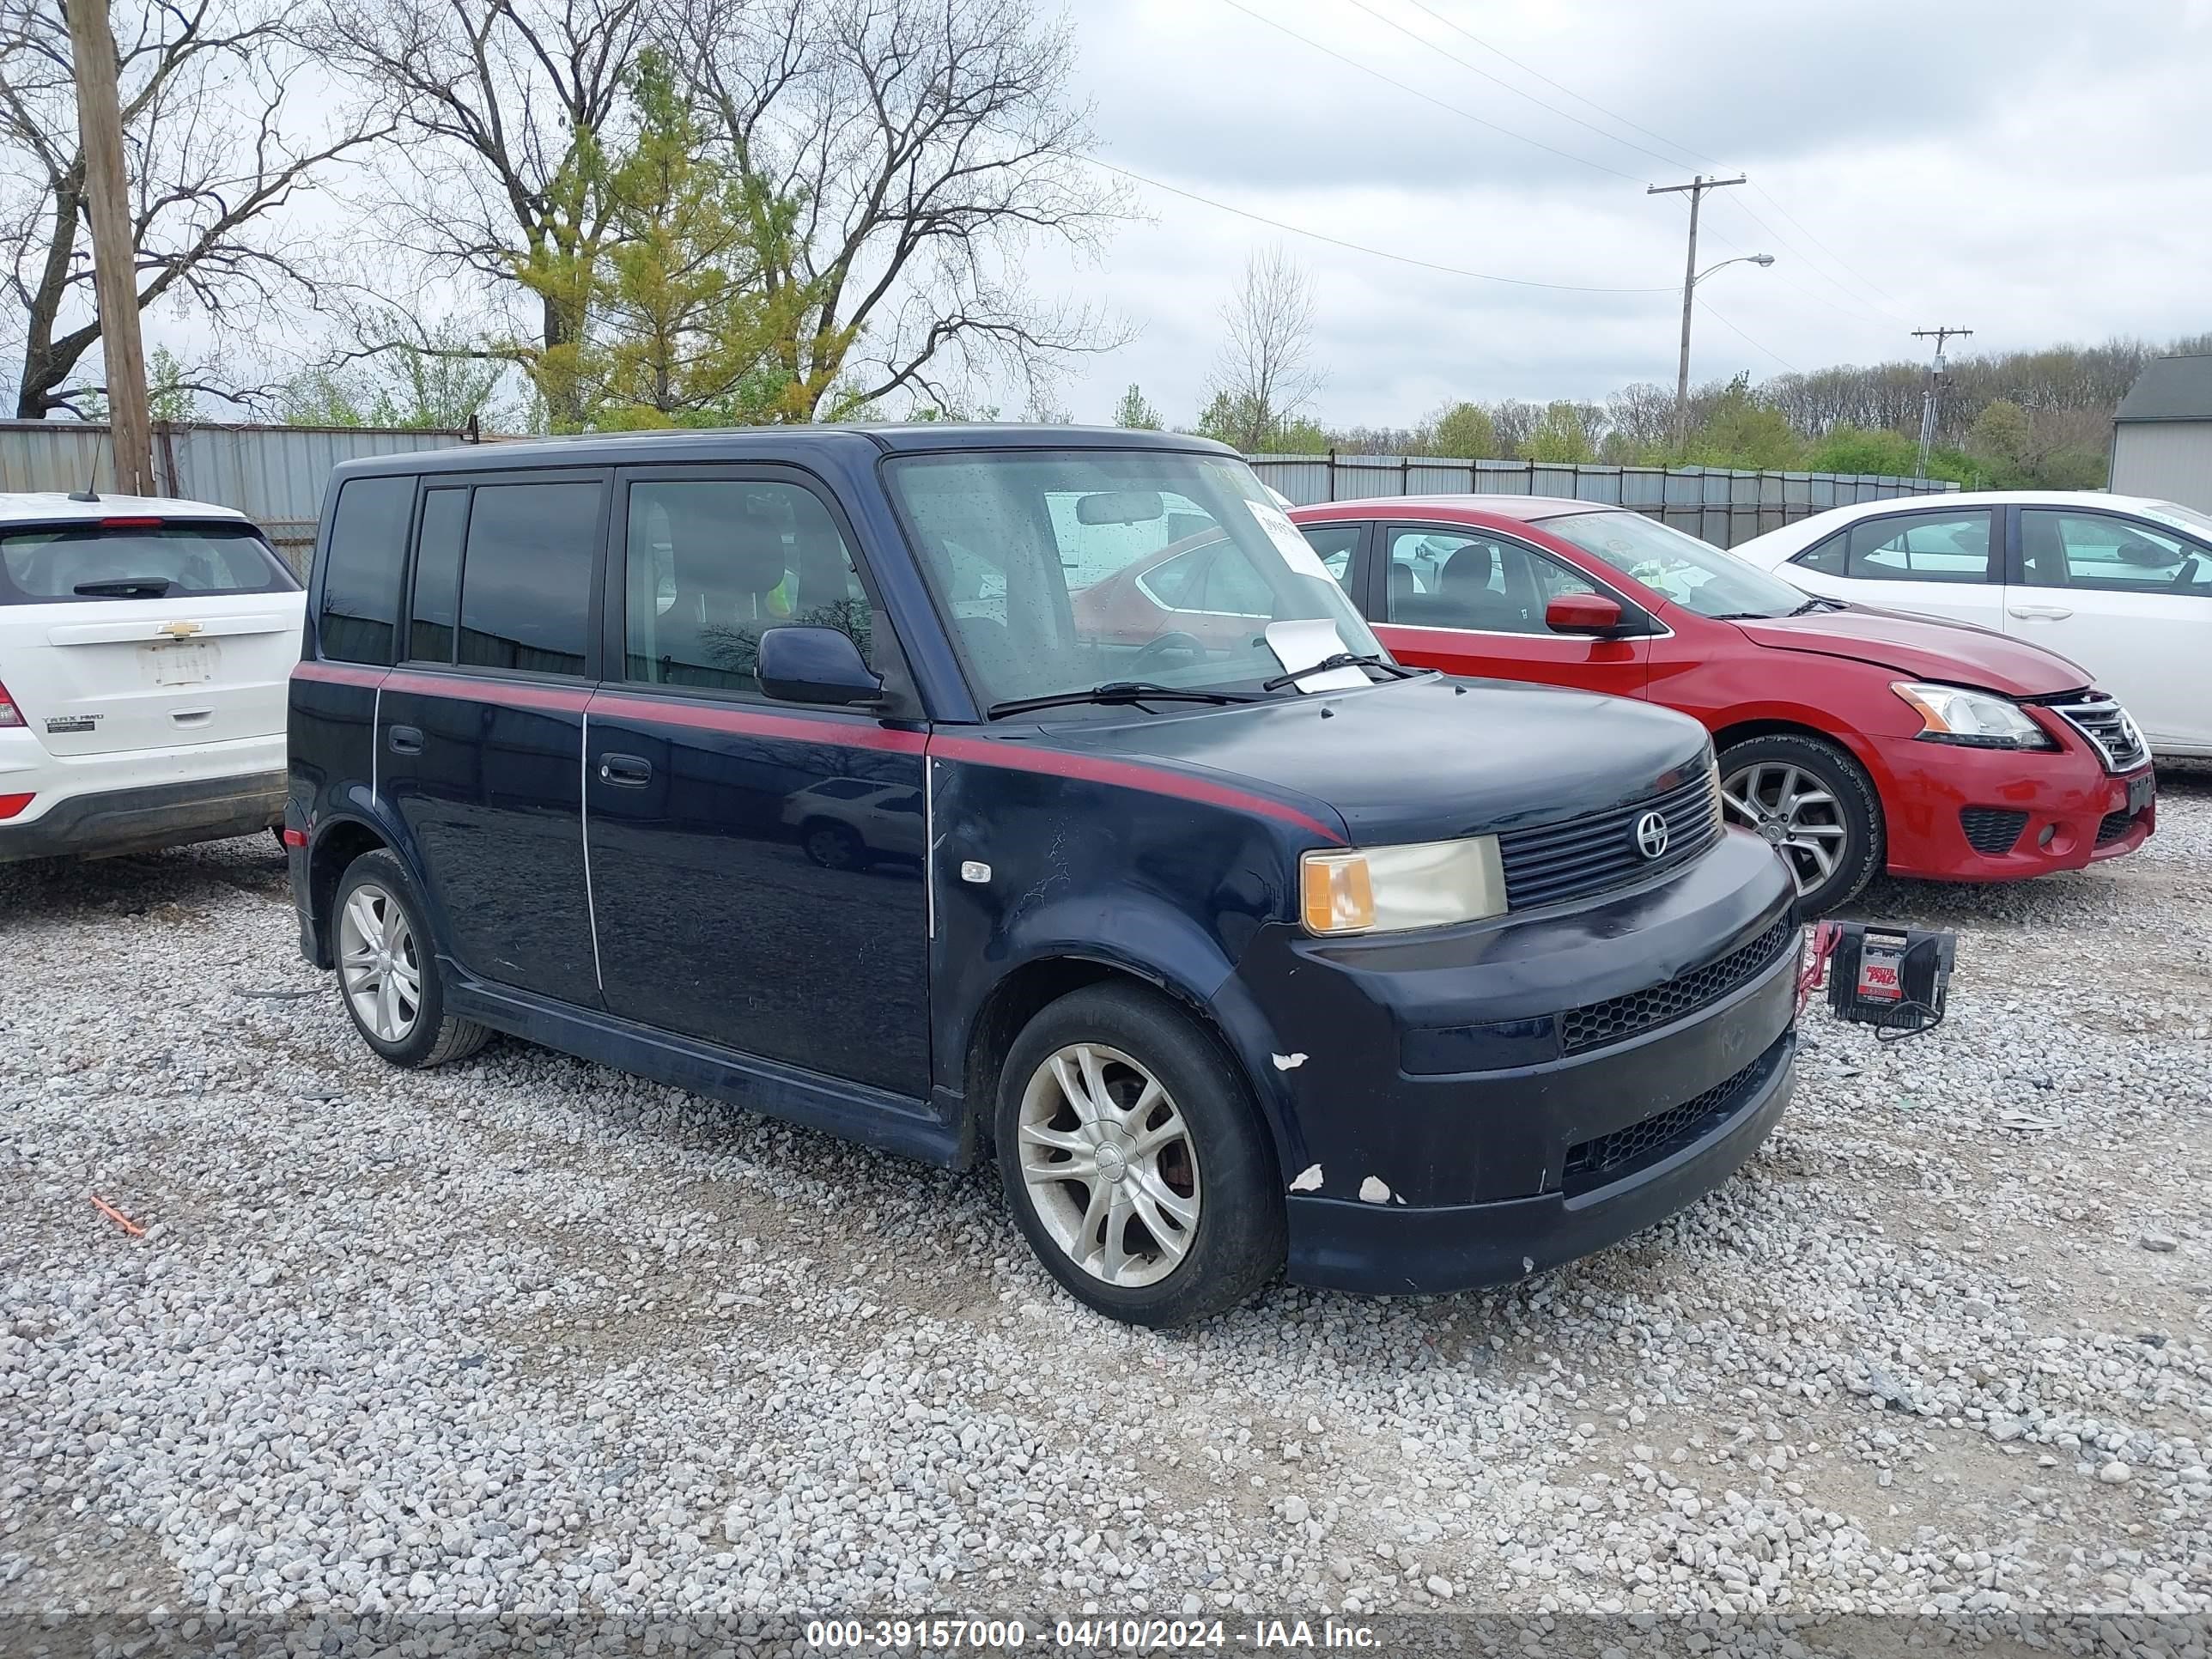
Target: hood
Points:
(1414, 760)
(1958, 654)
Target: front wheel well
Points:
(1743, 731)
(1019, 998)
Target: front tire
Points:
(1815, 806)
(1135, 1162)
(388, 976)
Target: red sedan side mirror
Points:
(1584, 613)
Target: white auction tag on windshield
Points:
(1297, 552)
(1303, 643)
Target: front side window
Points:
(711, 563)
(362, 564)
(1922, 547)
(136, 559)
(527, 576)
(1063, 570)
(2095, 549)
(1694, 574)
(1483, 583)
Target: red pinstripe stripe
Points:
(757, 723)
(750, 722)
(1126, 774)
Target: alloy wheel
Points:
(1793, 810)
(377, 965)
(1109, 1164)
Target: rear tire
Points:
(387, 966)
(1170, 1206)
(1816, 804)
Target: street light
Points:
(1682, 370)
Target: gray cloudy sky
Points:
(2039, 171)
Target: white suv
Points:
(145, 647)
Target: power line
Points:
(1565, 115)
(1825, 249)
(1467, 115)
(1705, 307)
(1814, 265)
(1856, 313)
(1529, 69)
(1358, 247)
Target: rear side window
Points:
(116, 560)
(527, 576)
(1827, 556)
(1923, 547)
(362, 567)
(437, 574)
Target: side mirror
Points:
(800, 664)
(1592, 614)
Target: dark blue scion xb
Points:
(809, 769)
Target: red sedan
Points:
(1855, 740)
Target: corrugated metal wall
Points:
(273, 474)
(2171, 460)
(1722, 507)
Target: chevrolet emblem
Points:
(179, 630)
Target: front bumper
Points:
(2069, 810)
(151, 816)
(1473, 1104)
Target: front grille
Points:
(2111, 731)
(2114, 825)
(1992, 829)
(1609, 1158)
(1596, 1023)
(1554, 862)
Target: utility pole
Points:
(114, 251)
(1697, 188)
(1934, 377)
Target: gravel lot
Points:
(528, 1334)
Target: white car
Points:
(2121, 585)
(145, 645)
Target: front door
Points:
(1468, 602)
(480, 729)
(2132, 602)
(757, 868)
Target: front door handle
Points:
(625, 771)
(2039, 612)
(404, 740)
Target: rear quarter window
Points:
(72, 563)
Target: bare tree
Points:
(502, 108)
(214, 152)
(924, 145)
(1263, 377)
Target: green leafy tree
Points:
(1564, 433)
(1739, 430)
(440, 387)
(1465, 432)
(1859, 449)
(1133, 411)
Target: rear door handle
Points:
(2039, 612)
(404, 740)
(625, 771)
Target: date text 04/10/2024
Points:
(1100, 1635)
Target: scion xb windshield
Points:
(1062, 570)
(1694, 574)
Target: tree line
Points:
(2038, 418)
(637, 212)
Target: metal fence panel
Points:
(1721, 505)
(273, 474)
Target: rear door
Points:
(1939, 562)
(1471, 602)
(145, 633)
(480, 728)
(2129, 600)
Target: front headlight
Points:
(1385, 889)
(1981, 720)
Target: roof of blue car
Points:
(738, 442)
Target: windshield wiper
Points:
(1116, 691)
(1811, 605)
(126, 587)
(1342, 659)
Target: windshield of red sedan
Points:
(1064, 569)
(1694, 574)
